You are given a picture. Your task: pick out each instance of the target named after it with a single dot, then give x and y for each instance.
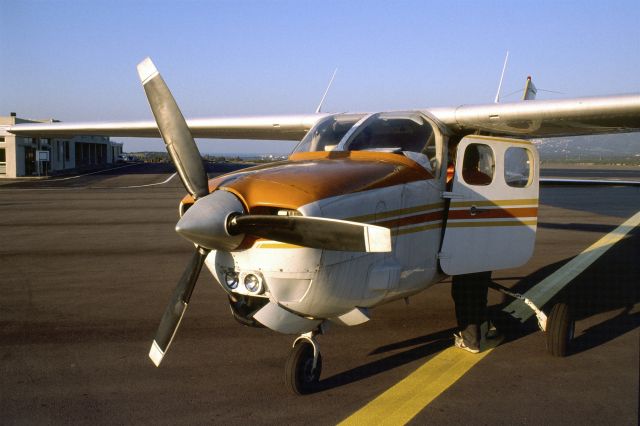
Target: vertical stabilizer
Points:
(529, 90)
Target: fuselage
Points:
(386, 189)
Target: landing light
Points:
(253, 284)
(231, 279)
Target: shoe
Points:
(492, 332)
(460, 343)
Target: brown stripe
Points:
(411, 220)
(416, 229)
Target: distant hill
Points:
(619, 148)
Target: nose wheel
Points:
(304, 365)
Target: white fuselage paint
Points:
(326, 284)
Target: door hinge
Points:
(451, 196)
(443, 255)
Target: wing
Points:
(539, 118)
(280, 127)
(528, 119)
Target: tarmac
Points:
(88, 265)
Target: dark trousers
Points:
(469, 294)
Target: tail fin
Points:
(529, 90)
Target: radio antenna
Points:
(318, 110)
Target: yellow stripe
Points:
(398, 212)
(473, 223)
(402, 402)
(496, 203)
(277, 245)
(496, 139)
(542, 292)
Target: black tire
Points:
(300, 376)
(560, 330)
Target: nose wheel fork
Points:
(304, 364)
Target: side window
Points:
(478, 165)
(517, 167)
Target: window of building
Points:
(478, 165)
(1, 138)
(3, 155)
(66, 150)
(517, 167)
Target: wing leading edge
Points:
(546, 118)
(276, 127)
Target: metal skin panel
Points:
(544, 118)
(490, 227)
(283, 321)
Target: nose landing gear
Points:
(304, 364)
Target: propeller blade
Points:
(176, 308)
(174, 130)
(314, 232)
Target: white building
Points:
(18, 155)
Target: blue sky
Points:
(75, 60)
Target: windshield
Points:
(326, 135)
(408, 133)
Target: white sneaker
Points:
(460, 343)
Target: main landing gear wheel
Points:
(560, 330)
(300, 375)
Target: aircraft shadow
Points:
(588, 227)
(608, 284)
(429, 344)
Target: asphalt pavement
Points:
(88, 266)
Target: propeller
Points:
(176, 307)
(188, 162)
(202, 226)
(174, 130)
(217, 221)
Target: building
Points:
(26, 156)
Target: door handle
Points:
(474, 210)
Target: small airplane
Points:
(364, 210)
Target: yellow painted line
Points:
(402, 402)
(542, 292)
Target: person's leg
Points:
(469, 294)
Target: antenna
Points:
(504, 68)
(326, 91)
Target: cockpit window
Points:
(406, 133)
(326, 135)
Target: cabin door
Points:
(493, 212)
